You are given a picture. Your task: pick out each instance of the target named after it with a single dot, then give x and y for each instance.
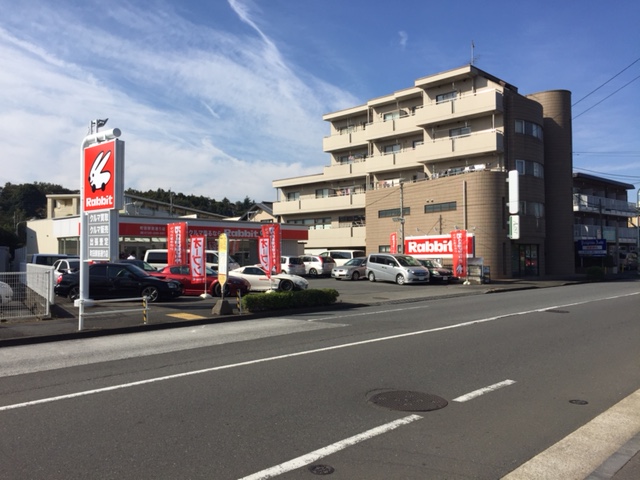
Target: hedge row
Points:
(262, 302)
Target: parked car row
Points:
(317, 265)
(396, 268)
(136, 279)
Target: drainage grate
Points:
(406, 401)
(579, 402)
(555, 310)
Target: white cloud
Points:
(202, 111)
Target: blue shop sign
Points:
(592, 248)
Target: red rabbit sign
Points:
(103, 174)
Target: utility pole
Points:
(401, 242)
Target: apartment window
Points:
(532, 209)
(417, 143)
(318, 223)
(395, 148)
(323, 192)
(393, 212)
(352, 221)
(460, 132)
(529, 128)
(387, 117)
(440, 207)
(446, 97)
(527, 167)
(293, 196)
(384, 248)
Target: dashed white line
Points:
(482, 391)
(329, 449)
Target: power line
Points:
(625, 85)
(594, 91)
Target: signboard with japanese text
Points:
(263, 254)
(177, 243)
(212, 232)
(103, 176)
(272, 232)
(197, 259)
(393, 242)
(98, 235)
(459, 252)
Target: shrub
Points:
(595, 274)
(262, 302)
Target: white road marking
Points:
(329, 449)
(482, 391)
(291, 355)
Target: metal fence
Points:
(25, 294)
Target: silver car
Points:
(354, 269)
(315, 265)
(292, 265)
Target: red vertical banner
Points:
(263, 254)
(459, 249)
(197, 259)
(271, 231)
(177, 243)
(393, 242)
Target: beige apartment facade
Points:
(434, 158)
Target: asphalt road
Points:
(514, 374)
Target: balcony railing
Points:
(474, 144)
(479, 103)
(342, 200)
(603, 205)
(623, 234)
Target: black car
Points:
(437, 272)
(118, 280)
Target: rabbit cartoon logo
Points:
(98, 177)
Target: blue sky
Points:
(219, 98)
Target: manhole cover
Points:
(321, 469)
(406, 401)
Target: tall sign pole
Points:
(101, 196)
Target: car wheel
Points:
(74, 293)
(217, 290)
(400, 279)
(313, 272)
(227, 290)
(355, 276)
(151, 292)
(286, 285)
(372, 277)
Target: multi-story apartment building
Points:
(603, 228)
(435, 157)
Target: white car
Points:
(259, 281)
(65, 265)
(6, 293)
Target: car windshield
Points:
(407, 261)
(355, 262)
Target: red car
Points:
(182, 273)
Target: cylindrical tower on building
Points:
(558, 175)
